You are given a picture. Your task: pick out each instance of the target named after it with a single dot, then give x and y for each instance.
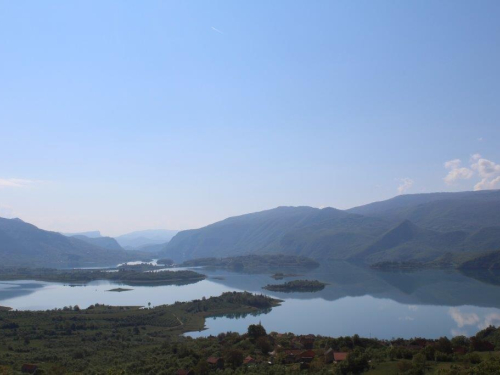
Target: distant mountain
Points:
(91, 234)
(153, 248)
(469, 211)
(104, 242)
(23, 244)
(293, 230)
(445, 227)
(136, 240)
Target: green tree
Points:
(234, 358)
(255, 331)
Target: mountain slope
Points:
(446, 227)
(138, 239)
(104, 242)
(23, 244)
(469, 211)
(91, 234)
(293, 230)
(407, 241)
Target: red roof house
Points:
(249, 360)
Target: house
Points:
(29, 369)
(307, 356)
(184, 372)
(292, 355)
(216, 362)
(249, 360)
(340, 356)
(332, 356)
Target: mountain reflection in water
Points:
(429, 303)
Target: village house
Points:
(216, 362)
(292, 355)
(185, 372)
(332, 356)
(249, 360)
(307, 356)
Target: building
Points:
(249, 360)
(216, 362)
(307, 356)
(332, 356)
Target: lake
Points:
(357, 300)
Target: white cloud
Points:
(463, 319)
(490, 320)
(487, 170)
(456, 172)
(453, 164)
(15, 182)
(217, 30)
(405, 184)
(475, 157)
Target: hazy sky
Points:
(127, 115)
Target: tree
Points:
(263, 344)
(234, 358)
(255, 331)
(356, 363)
(444, 345)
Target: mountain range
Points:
(146, 240)
(150, 241)
(436, 227)
(23, 244)
(453, 229)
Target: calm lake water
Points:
(428, 303)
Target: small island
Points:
(119, 290)
(125, 276)
(297, 286)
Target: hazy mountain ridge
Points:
(90, 234)
(469, 211)
(104, 242)
(424, 227)
(145, 239)
(24, 244)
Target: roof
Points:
(184, 372)
(293, 352)
(248, 360)
(340, 356)
(213, 360)
(308, 354)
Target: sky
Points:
(125, 115)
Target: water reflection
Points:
(428, 303)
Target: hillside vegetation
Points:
(23, 244)
(447, 228)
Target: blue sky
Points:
(125, 115)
